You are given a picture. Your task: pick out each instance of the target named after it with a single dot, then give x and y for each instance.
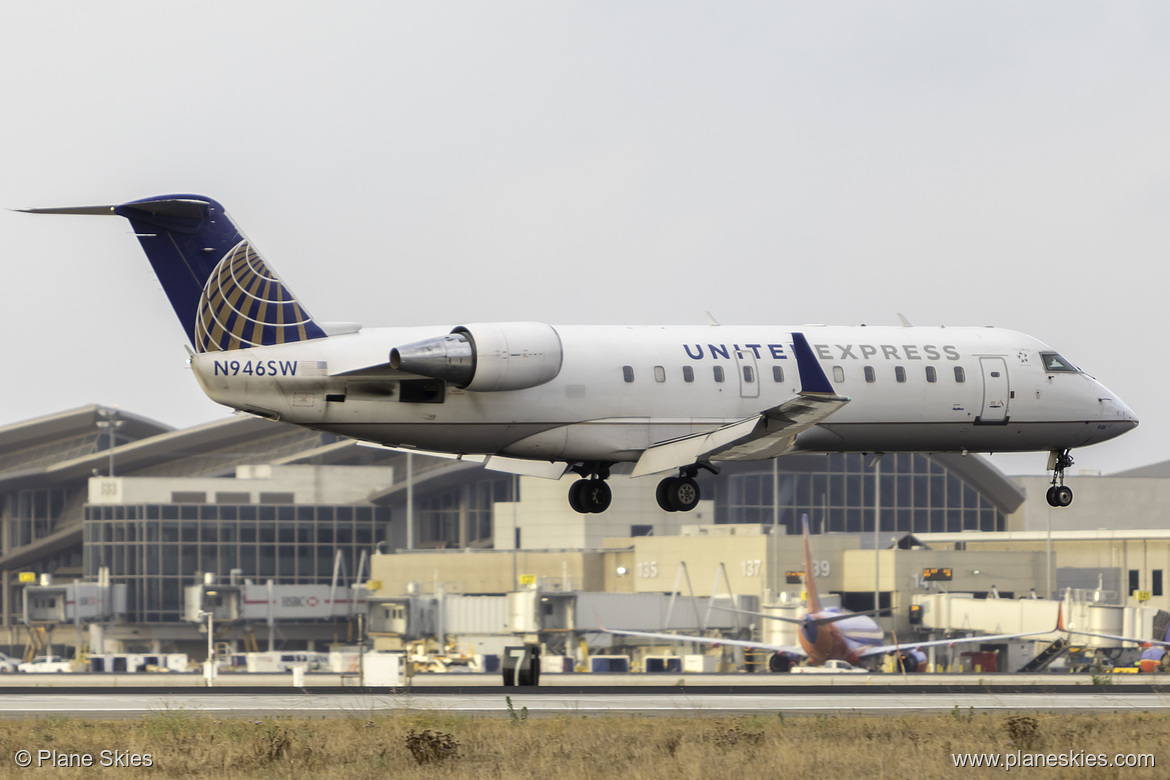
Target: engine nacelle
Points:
(486, 356)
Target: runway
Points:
(593, 702)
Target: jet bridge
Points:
(951, 613)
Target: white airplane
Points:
(832, 633)
(531, 398)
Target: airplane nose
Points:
(1116, 411)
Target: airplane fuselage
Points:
(668, 399)
(843, 639)
(614, 391)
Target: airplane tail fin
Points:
(810, 579)
(222, 290)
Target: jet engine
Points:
(486, 357)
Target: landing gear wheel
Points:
(678, 494)
(661, 496)
(1059, 495)
(576, 502)
(590, 496)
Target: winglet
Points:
(1060, 618)
(812, 376)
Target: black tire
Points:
(1050, 496)
(595, 495)
(683, 494)
(1063, 496)
(779, 663)
(662, 495)
(577, 497)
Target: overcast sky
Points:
(619, 163)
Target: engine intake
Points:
(486, 357)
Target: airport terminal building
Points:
(95, 493)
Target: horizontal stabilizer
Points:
(101, 211)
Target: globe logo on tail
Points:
(245, 304)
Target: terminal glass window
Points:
(837, 492)
(157, 557)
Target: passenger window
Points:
(688, 374)
(718, 373)
(659, 374)
(870, 374)
(960, 375)
(931, 374)
(838, 374)
(777, 374)
(900, 373)
(628, 373)
(748, 374)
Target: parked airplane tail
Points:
(224, 293)
(810, 580)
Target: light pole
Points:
(209, 673)
(110, 423)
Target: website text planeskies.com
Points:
(1072, 758)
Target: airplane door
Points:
(749, 376)
(995, 390)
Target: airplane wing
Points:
(883, 649)
(766, 435)
(800, 620)
(1155, 642)
(544, 469)
(1135, 640)
(965, 640)
(708, 640)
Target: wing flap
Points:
(688, 449)
(766, 435)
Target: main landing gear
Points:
(681, 493)
(1059, 495)
(591, 495)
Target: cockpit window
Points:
(1054, 362)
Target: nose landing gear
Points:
(1059, 495)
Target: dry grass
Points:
(187, 744)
